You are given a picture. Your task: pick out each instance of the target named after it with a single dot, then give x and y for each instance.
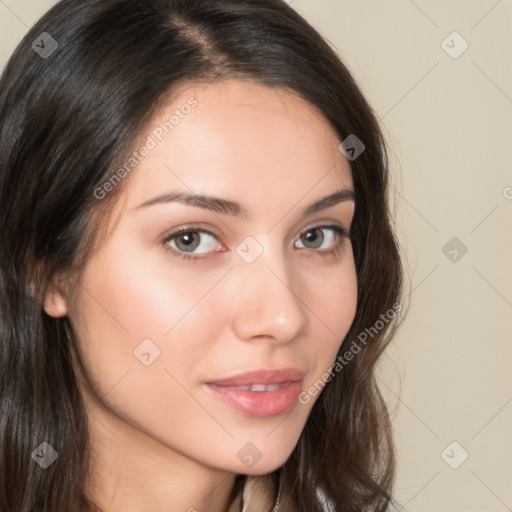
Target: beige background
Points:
(449, 125)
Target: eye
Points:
(322, 238)
(194, 244)
(191, 241)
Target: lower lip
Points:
(260, 404)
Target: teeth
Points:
(261, 387)
(274, 387)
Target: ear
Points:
(55, 303)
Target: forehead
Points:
(238, 138)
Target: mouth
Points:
(259, 393)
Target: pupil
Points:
(187, 238)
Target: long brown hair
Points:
(71, 109)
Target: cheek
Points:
(141, 306)
(144, 337)
(339, 297)
(332, 303)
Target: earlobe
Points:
(55, 303)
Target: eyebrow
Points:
(233, 208)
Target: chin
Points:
(262, 469)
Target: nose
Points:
(265, 304)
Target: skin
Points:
(161, 442)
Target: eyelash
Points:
(342, 234)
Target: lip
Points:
(261, 376)
(260, 404)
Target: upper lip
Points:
(261, 376)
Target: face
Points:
(219, 265)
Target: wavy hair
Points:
(67, 119)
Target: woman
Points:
(199, 271)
